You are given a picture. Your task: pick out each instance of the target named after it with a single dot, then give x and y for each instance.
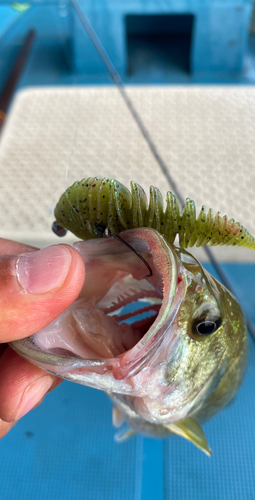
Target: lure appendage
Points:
(97, 202)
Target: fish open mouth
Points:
(121, 313)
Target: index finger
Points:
(9, 247)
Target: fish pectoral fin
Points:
(191, 430)
(117, 417)
(123, 434)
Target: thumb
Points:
(35, 288)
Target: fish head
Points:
(165, 341)
(202, 359)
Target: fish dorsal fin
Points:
(191, 430)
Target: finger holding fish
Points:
(29, 301)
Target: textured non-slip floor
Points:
(204, 134)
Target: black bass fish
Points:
(151, 327)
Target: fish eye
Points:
(203, 327)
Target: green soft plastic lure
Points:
(92, 205)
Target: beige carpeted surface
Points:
(206, 136)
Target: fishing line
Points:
(120, 85)
(137, 253)
(107, 233)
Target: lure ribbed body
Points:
(94, 204)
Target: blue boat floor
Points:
(50, 63)
(65, 450)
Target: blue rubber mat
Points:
(64, 449)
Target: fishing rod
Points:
(14, 75)
(116, 78)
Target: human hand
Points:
(35, 287)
